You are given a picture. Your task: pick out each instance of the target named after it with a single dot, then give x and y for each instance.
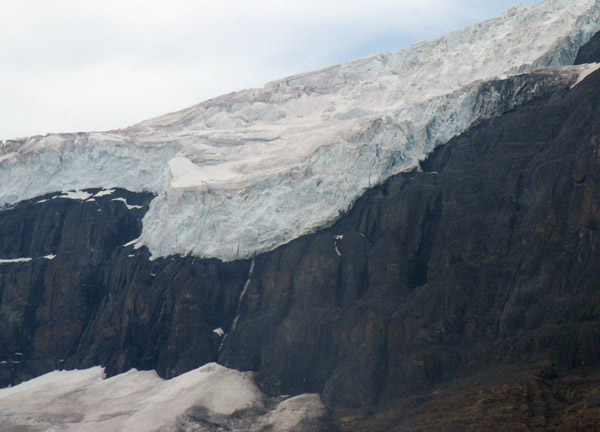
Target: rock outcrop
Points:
(84, 299)
(590, 52)
(486, 256)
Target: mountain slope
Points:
(246, 172)
(489, 252)
(469, 280)
(445, 279)
(461, 295)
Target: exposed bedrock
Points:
(489, 255)
(590, 52)
(98, 302)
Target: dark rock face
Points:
(590, 52)
(98, 302)
(488, 255)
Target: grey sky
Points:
(80, 65)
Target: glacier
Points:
(245, 172)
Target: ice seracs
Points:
(248, 171)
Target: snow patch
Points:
(15, 260)
(50, 257)
(76, 195)
(86, 401)
(104, 192)
(291, 412)
(129, 206)
(136, 243)
(336, 239)
(586, 70)
(337, 251)
(242, 295)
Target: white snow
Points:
(124, 201)
(292, 411)
(245, 172)
(22, 260)
(219, 331)
(136, 243)
(104, 192)
(15, 260)
(242, 295)
(85, 401)
(586, 71)
(336, 239)
(76, 195)
(132, 242)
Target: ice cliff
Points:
(248, 171)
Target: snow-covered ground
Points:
(84, 401)
(248, 171)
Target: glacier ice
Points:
(245, 172)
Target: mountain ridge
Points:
(246, 172)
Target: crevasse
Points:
(248, 171)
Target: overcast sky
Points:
(82, 65)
